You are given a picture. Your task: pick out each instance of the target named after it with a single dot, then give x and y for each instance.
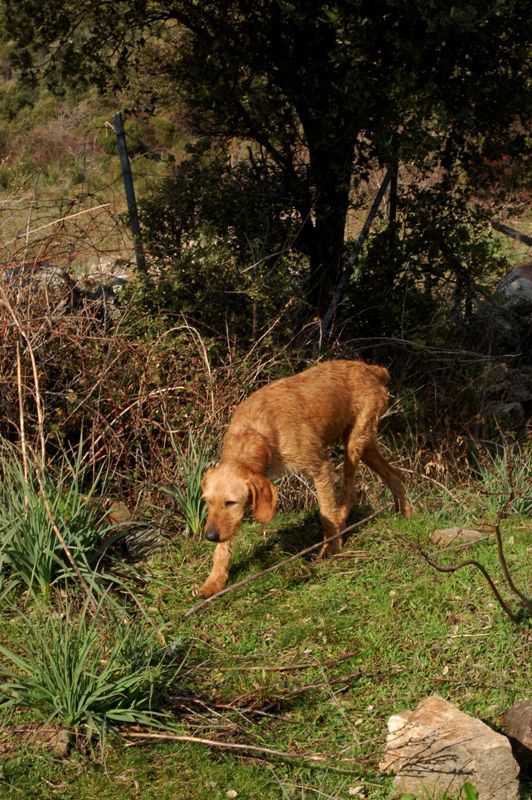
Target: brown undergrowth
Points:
(127, 384)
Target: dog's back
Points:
(300, 415)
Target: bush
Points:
(225, 240)
(31, 555)
(85, 673)
(426, 272)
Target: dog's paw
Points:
(209, 588)
(330, 548)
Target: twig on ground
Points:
(282, 563)
(502, 513)
(235, 746)
(471, 562)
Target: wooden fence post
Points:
(118, 125)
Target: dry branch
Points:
(235, 746)
(526, 601)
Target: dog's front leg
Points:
(220, 569)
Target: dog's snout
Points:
(212, 534)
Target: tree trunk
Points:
(330, 172)
(326, 251)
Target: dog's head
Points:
(228, 490)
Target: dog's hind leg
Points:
(389, 476)
(329, 513)
(356, 439)
(350, 489)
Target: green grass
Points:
(191, 462)
(408, 631)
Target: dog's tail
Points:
(380, 372)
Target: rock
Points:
(517, 725)
(446, 536)
(53, 738)
(510, 415)
(516, 288)
(437, 748)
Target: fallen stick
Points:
(243, 748)
(280, 564)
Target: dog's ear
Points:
(263, 497)
(205, 479)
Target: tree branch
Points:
(346, 272)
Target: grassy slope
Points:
(410, 633)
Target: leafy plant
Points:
(435, 258)
(31, 554)
(85, 675)
(192, 462)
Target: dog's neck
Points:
(247, 448)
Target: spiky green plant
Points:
(31, 554)
(87, 672)
(191, 462)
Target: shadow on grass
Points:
(287, 540)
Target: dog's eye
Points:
(229, 503)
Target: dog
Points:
(288, 426)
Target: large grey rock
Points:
(516, 288)
(437, 748)
(517, 724)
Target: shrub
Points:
(225, 240)
(31, 554)
(85, 674)
(425, 272)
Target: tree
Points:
(323, 89)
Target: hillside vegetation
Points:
(260, 136)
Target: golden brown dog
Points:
(289, 425)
